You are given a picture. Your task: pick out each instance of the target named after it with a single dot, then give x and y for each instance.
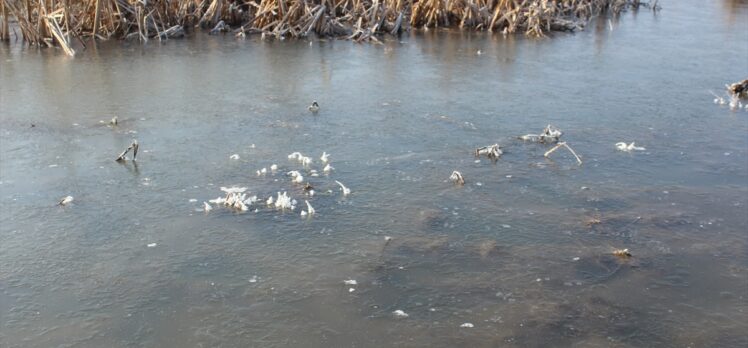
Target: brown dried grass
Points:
(44, 22)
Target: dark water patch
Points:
(570, 323)
(600, 268)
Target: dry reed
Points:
(46, 22)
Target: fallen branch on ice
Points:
(563, 144)
(133, 147)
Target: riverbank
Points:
(48, 23)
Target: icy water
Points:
(516, 252)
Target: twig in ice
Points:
(346, 191)
(133, 147)
(550, 134)
(65, 200)
(493, 151)
(310, 210)
(563, 144)
(457, 178)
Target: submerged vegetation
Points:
(46, 22)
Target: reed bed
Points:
(58, 22)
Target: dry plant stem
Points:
(4, 35)
(54, 28)
(96, 18)
(563, 144)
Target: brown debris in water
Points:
(44, 23)
(592, 221)
(488, 248)
(739, 89)
(623, 253)
(421, 243)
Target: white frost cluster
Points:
(296, 177)
(283, 202)
(628, 147)
(301, 158)
(235, 198)
(400, 314)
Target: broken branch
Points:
(563, 144)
